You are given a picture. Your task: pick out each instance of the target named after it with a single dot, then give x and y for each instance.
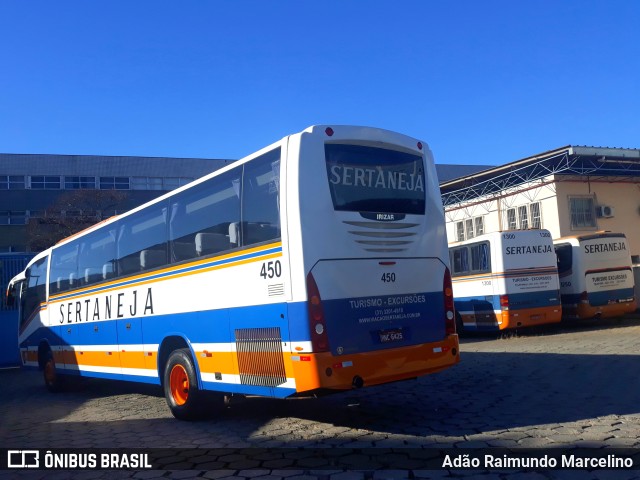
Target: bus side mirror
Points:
(11, 298)
(11, 295)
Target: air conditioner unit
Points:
(605, 211)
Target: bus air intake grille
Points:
(383, 237)
(260, 360)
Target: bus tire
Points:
(52, 380)
(185, 399)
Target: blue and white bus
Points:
(505, 280)
(317, 264)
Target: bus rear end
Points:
(530, 290)
(378, 304)
(608, 276)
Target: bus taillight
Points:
(447, 288)
(319, 340)
(504, 302)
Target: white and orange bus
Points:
(505, 280)
(317, 264)
(596, 276)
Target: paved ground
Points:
(563, 386)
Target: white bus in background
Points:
(596, 276)
(317, 264)
(505, 280)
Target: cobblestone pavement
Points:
(561, 386)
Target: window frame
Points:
(591, 200)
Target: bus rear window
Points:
(369, 179)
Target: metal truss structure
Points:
(584, 162)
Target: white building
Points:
(568, 191)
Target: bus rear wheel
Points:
(185, 399)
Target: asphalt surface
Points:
(559, 387)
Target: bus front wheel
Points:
(52, 380)
(181, 390)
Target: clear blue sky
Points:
(485, 82)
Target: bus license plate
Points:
(394, 335)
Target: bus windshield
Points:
(368, 179)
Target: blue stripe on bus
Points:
(517, 301)
(278, 392)
(606, 297)
(598, 299)
(480, 303)
(544, 298)
(211, 326)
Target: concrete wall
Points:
(624, 197)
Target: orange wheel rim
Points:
(179, 384)
(50, 372)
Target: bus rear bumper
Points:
(530, 317)
(585, 310)
(324, 371)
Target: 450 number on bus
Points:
(271, 269)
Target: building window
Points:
(11, 182)
(582, 212)
(460, 231)
(469, 228)
(77, 183)
(114, 183)
(511, 219)
(45, 182)
(13, 218)
(158, 183)
(139, 183)
(37, 214)
(536, 218)
(524, 217)
(146, 183)
(170, 183)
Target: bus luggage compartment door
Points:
(374, 304)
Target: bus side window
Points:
(460, 260)
(97, 254)
(261, 199)
(480, 258)
(64, 268)
(142, 242)
(201, 216)
(34, 289)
